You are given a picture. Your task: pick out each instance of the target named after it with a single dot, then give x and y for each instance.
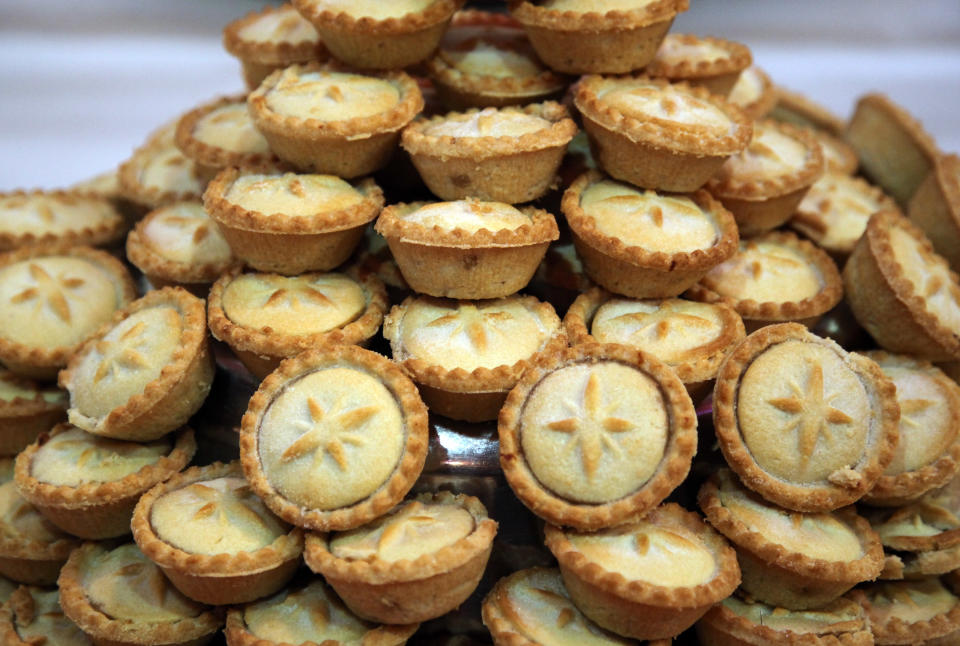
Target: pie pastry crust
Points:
(222, 578)
(53, 214)
(26, 411)
(640, 608)
(679, 443)
(412, 451)
(810, 410)
(797, 109)
(754, 93)
(505, 168)
(285, 243)
(168, 400)
(37, 612)
(838, 156)
(935, 208)
(33, 560)
(891, 622)
(409, 590)
(718, 75)
(95, 509)
(179, 180)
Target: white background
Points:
(83, 82)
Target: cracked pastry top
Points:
(67, 217)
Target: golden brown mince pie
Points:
(595, 435)
(642, 243)
(713, 63)
(753, 93)
(288, 222)
(88, 485)
(659, 135)
(466, 355)
(838, 156)
(334, 438)
(265, 318)
(650, 578)
(52, 298)
(26, 410)
(271, 39)
(902, 292)
(213, 538)
(32, 549)
(587, 36)
(803, 423)
(146, 372)
(325, 119)
(310, 614)
(508, 155)
(692, 338)
(791, 559)
(158, 173)
(33, 617)
(420, 561)
(467, 248)
(935, 208)
(118, 597)
(909, 612)
(41, 217)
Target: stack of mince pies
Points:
(720, 363)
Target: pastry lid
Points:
(273, 36)
(65, 217)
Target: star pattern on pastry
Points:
(757, 267)
(662, 322)
(476, 322)
(404, 525)
(200, 228)
(123, 354)
(811, 410)
(49, 290)
(591, 427)
(236, 118)
(924, 513)
(328, 431)
(224, 506)
(910, 407)
(296, 295)
(563, 606)
(148, 579)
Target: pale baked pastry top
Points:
(675, 49)
(594, 433)
(765, 272)
(74, 457)
(495, 56)
(930, 276)
(331, 96)
(184, 233)
(644, 100)
(55, 214)
(468, 215)
(748, 88)
(909, 601)
(770, 154)
(165, 168)
(647, 219)
(39, 620)
(15, 387)
(410, 531)
(835, 211)
(218, 516)
(926, 517)
(840, 616)
(305, 304)
(488, 122)
(230, 127)
(19, 520)
(284, 25)
(309, 614)
(292, 194)
(374, 8)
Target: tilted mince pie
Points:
(334, 438)
(775, 277)
(213, 538)
(179, 245)
(158, 173)
(935, 208)
(805, 424)
(52, 298)
(797, 109)
(33, 617)
(325, 119)
(88, 485)
(595, 435)
(379, 35)
(692, 338)
(288, 222)
(485, 59)
(713, 63)
(753, 93)
(902, 292)
(909, 612)
(763, 184)
(146, 372)
(651, 578)
(642, 243)
(508, 155)
(659, 135)
(418, 562)
(466, 355)
(26, 410)
(271, 39)
(265, 318)
(40, 217)
(599, 37)
(118, 597)
(787, 558)
(467, 248)
(308, 614)
(32, 549)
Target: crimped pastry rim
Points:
(32, 550)
(671, 471)
(669, 135)
(944, 540)
(210, 155)
(763, 104)
(725, 580)
(557, 135)
(829, 295)
(826, 496)
(77, 607)
(585, 227)
(338, 20)
(90, 236)
(408, 467)
(284, 548)
(809, 110)
(268, 53)
(193, 338)
(536, 16)
(234, 216)
(909, 123)
(21, 407)
(276, 343)
(123, 284)
(92, 494)
(10, 611)
(579, 318)
(738, 59)
(500, 378)
(867, 567)
(128, 175)
(376, 571)
(899, 630)
(947, 169)
(542, 228)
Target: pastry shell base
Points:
(935, 208)
(22, 420)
